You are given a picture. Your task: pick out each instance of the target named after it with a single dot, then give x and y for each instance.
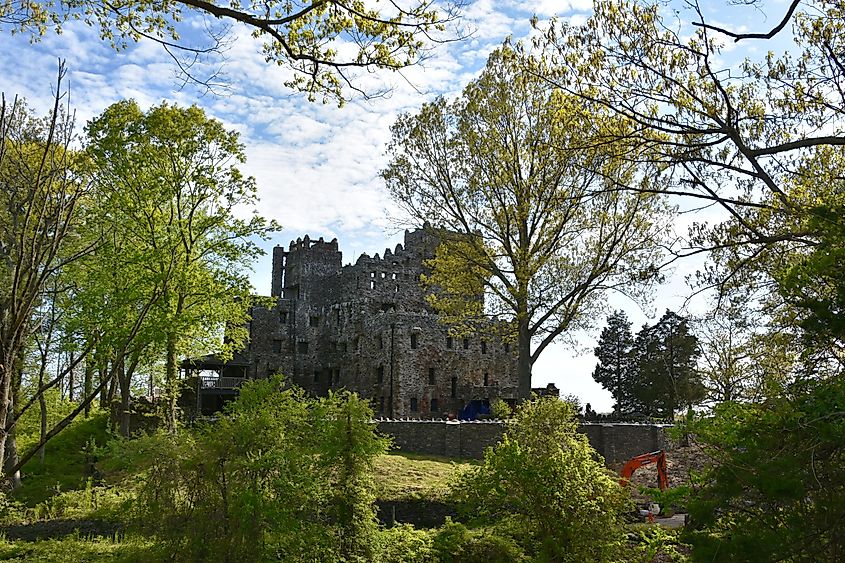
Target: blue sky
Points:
(317, 165)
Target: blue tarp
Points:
(473, 409)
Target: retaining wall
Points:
(614, 441)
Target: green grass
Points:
(131, 549)
(411, 476)
(65, 461)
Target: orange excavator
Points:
(658, 457)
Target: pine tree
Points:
(614, 368)
(666, 375)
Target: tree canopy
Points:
(320, 42)
(529, 215)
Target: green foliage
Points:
(277, 475)
(658, 542)
(666, 377)
(777, 489)
(68, 460)
(544, 482)
(500, 410)
(454, 543)
(614, 368)
(317, 42)
(405, 544)
(523, 183)
(132, 549)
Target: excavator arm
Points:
(658, 457)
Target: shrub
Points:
(546, 482)
(405, 544)
(278, 476)
(454, 543)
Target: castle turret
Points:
(307, 263)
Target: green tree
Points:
(614, 369)
(279, 475)
(322, 43)
(546, 482)
(171, 176)
(533, 229)
(777, 492)
(41, 185)
(666, 376)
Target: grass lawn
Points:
(412, 476)
(65, 462)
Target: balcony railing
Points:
(221, 382)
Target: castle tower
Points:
(306, 264)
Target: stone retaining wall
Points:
(614, 441)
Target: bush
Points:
(405, 544)
(454, 543)
(778, 490)
(543, 480)
(279, 476)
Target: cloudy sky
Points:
(316, 165)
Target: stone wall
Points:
(616, 442)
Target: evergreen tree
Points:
(615, 369)
(666, 375)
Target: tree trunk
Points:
(70, 380)
(170, 382)
(88, 384)
(42, 406)
(524, 360)
(125, 399)
(11, 459)
(171, 376)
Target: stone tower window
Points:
(507, 348)
(413, 341)
(302, 347)
(435, 407)
(466, 343)
(283, 317)
(316, 376)
(277, 346)
(380, 374)
(454, 387)
(486, 379)
(414, 405)
(449, 343)
(431, 376)
(314, 321)
(381, 404)
(380, 342)
(483, 347)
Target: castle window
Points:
(337, 376)
(414, 405)
(316, 376)
(372, 284)
(302, 346)
(380, 342)
(507, 348)
(393, 276)
(466, 343)
(381, 404)
(431, 376)
(449, 343)
(372, 274)
(486, 379)
(435, 407)
(396, 289)
(413, 341)
(454, 387)
(314, 321)
(283, 317)
(277, 346)
(337, 316)
(383, 275)
(380, 374)
(483, 347)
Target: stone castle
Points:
(368, 328)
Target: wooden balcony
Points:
(221, 382)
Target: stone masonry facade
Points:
(368, 328)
